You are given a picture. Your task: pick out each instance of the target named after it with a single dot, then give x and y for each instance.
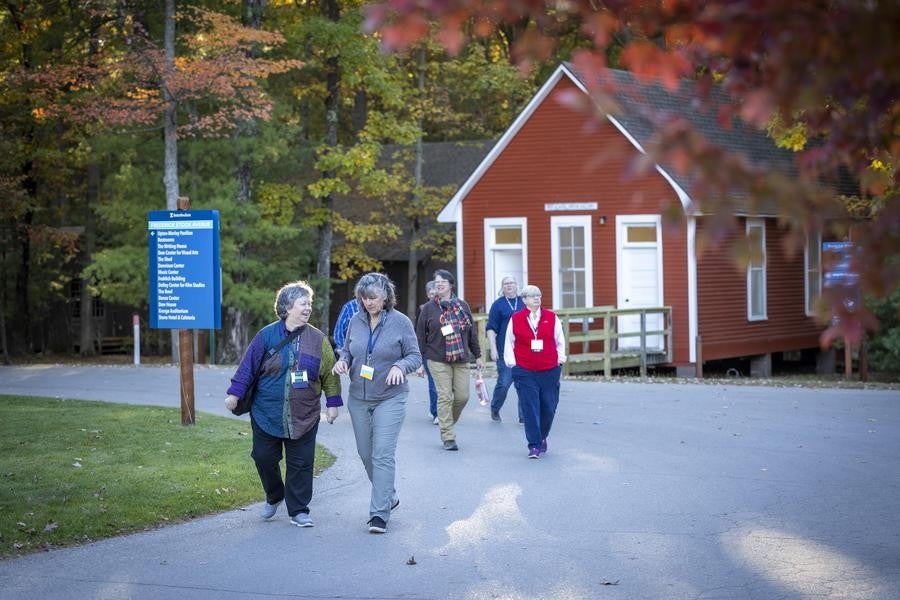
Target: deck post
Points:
(607, 345)
(643, 344)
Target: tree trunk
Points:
(21, 228)
(170, 132)
(237, 333)
(87, 329)
(236, 336)
(86, 332)
(3, 344)
(330, 10)
(412, 261)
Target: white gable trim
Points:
(452, 211)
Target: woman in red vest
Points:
(535, 349)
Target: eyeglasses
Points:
(533, 296)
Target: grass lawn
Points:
(74, 471)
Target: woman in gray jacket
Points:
(380, 350)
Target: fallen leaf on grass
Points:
(50, 526)
(76, 464)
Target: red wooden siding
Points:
(722, 302)
(560, 156)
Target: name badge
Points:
(299, 379)
(537, 345)
(447, 330)
(367, 372)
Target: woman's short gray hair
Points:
(531, 290)
(371, 285)
(288, 294)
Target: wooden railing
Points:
(593, 339)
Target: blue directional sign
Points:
(837, 260)
(185, 280)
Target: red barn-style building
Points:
(553, 204)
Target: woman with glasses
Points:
(379, 352)
(448, 339)
(287, 401)
(535, 350)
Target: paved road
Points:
(668, 491)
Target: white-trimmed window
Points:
(572, 261)
(756, 270)
(505, 253)
(812, 261)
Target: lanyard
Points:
(513, 305)
(534, 328)
(374, 338)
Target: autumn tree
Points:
(830, 68)
(128, 87)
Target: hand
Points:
(420, 371)
(479, 364)
(231, 401)
(494, 354)
(331, 413)
(395, 376)
(340, 367)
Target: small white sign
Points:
(570, 206)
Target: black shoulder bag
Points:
(245, 401)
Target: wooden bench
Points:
(115, 345)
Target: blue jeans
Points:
(504, 380)
(538, 395)
(432, 391)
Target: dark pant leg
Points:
(300, 456)
(266, 454)
(529, 400)
(432, 391)
(549, 391)
(504, 380)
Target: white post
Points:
(136, 323)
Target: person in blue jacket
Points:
(350, 308)
(498, 318)
(286, 406)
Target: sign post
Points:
(185, 282)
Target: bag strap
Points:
(284, 342)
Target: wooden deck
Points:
(595, 344)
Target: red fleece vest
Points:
(547, 358)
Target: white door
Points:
(505, 252)
(639, 276)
